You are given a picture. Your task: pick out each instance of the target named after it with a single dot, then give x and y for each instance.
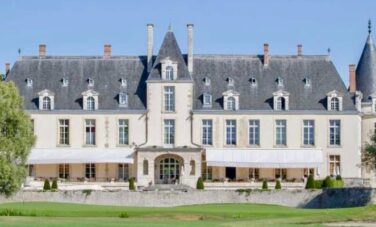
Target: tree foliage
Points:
(200, 184)
(310, 182)
(369, 154)
(16, 138)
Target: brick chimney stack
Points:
(190, 47)
(42, 50)
(7, 68)
(266, 54)
(150, 31)
(352, 78)
(107, 51)
(300, 50)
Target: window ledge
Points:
(334, 146)
(123, 145)
(89, 145)
(280, 146)
(307, 146)
(63, 145)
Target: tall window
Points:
(231, 103)
(90, 132)
(46, 103)
(64, 132)
(169, 132)
(254, 132)
(334, 165)
(309, 132)
(207, 132)
(169, 73)
(280, 132)
(64, 171)
(123, 132)
(123, 171)
(254, 173)
(169, 95)
(335, 132)
(90, 103)
(145, 167)
(334, 104)
(231, 132)
(90, 170)
(281, 103)
(206, 171)
(280, 174)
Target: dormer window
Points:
(123, 82)
(123, 99)
(280, 82)
(334, 99)
(207, 81)
(231, 100)
(230, 81)
(207, 100)
(90, 82)
(90, 100)
(46, 100)
(65, 82)
(29, 82)
(281, 100)
(307, 82)
(169, 69)
(253, 82)
(169, 73)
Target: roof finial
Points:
(329, 50)
(169, 27)
(369, 26)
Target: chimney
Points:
(7, 68)
(150, 31)
(42, 50)
(266, 54)
(107, 51)
(190, 47)
(352, 78)
(300, 49)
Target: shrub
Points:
(54, 185)
(328, 182)
(338, 183)
(87, 192)
(264, 185)
(278, 185)
(200, 184)
(318, 184)
(46, 186)
(338, 177)
(310, 182)
(132, 186)
(123, 215)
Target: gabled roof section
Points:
(170, 50)
(366, 69)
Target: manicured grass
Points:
(59, 214)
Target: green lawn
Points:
(59, 214)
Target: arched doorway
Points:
(168, 169)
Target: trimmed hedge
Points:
(200, 184)
(329, 182)
(54, 185)
(310, 182)
(264, 185)
(46, 185)
(132, 186)
(278, 185)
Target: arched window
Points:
(145, 167)
(46, 103)
(281, 103)
(90, 103)
(169, 73)
(334, 104)
(193, 168)
(231, 103)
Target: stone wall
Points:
(293, 198)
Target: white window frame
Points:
(90, 170)
(254, 132)
(280, 132)
(336, 165)
(64, 171)
(308, 133)
(123, 171)
(337, 96)
(63, 132)
(169, 132)
(169, 98)
(90, 136)
(123, 99)
(207, 132)
(230, 132)
(123, 132)
(335, 132)
(207, 100)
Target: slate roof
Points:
(366, 70)
(48, 72)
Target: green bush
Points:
(328, 182)
(278, 185)
(318, 184)
(54, 185)
(132, 186)
(87, 192)
(200, 184)
(123, 215)
(46, 186)
(264, 185)
(310, 182)
(338, 177)
(338, 183)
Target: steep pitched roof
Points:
(366, 69)
(48, 72)
(170, 50)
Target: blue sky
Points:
(72, 27)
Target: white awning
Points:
(264, 158)
(80, 155)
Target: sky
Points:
(73, 27)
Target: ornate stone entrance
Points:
(168, 169)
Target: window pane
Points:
(169, 132)
(123, 132)
(281, 132)
(207, 132)
(169, 97)
(90, 132)
(254, 132)
(335, 132)
(231, 132)
(308, 132)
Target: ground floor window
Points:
(281, 174)
(207, 171)
(254, 173)
(334, 165)
(123, 171)
(193, 167)
(64, 171)
(310, 171)
(90, 170)
(31, 171)
(145, 167)
(169, 170)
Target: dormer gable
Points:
(169, 69)
(90, 100)
(230, 100)
(281, 100)
(334, 100)
(46, 100)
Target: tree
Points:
(54, 185)
(46, 185)
(310, 182)
(200, 184)
(369, 154)
(278, 185)
(264, 184)
(16, 139)
(132, 186)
